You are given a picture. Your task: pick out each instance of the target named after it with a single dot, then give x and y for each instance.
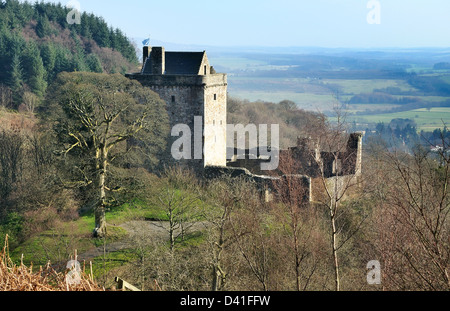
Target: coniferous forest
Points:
(37, 43)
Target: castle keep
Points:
(191, 88)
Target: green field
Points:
(257, 79)
(305, 101)
(368, 86)
(315, 86)
(426, 120)
(370, 107)
(311, 94)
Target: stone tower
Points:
(192, 91)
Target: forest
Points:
(37, 43)
(82, 177)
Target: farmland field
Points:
(426, 120)
(307, 93)
(389, 85)
(368, 86)
(315, 86)
(305, 101)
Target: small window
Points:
(205, 71)
(215, 96)
(214, 122)
(173, 99)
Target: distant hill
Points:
(37, 43)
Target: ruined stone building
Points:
(191, 89)
(311, 165)
(338, 169)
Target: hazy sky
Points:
(320, 23)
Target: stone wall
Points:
(215, 119)
(205, 68)
(265, 184)
(347, 186)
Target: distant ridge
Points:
(387, 52)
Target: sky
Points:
(278, 23)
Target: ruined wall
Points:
(263, 183)
(347, 185)
(353, 157)
(253, 165)
(343, 176)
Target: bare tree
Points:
(99, 113)
(179, 200)
(6, 96)
(250, 237)
(225, 196)
(292, 191)
(11, 154)
(413, 221)
(336, 158)
(30, 101)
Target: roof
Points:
(179, 63)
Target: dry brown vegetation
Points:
(293, 122)
(22, 278)
(13, 121)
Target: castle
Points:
(192, 89)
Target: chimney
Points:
(158, 59)
(146, 54)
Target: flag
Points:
(146, 42)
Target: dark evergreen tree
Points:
(85, 26)
(48, 54)
(16, 80)
(34, 71)
(43, 27)
(33, 65)
(102, 35)
(62, 60)
(94, 63)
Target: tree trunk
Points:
(218, 276)
(297, 259)
(334, 246)
(172, 238)
(215, 279)
(99, 212)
